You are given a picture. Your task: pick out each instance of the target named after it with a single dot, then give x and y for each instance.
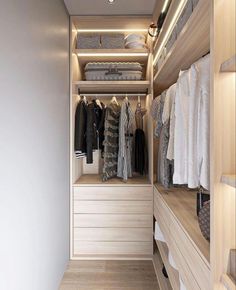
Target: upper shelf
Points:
(114, 55)
(113, 86)
(192, 43)
(229, 179)
(229, 65)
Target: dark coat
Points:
(94, 129)
(80, 145)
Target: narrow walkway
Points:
(110, 275)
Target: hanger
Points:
(98, 102)
(126, 97)
(85, 99)
(114, 100)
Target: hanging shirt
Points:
(126, 132)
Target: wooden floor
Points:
(109, 275)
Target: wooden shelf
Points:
(229, 65)
(172, 273)
(228, 282)
(113, 86)
(112, 55)
(229, 179)
(163, 282)
(95, 179)
(192, 43)
(182, 203)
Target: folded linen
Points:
(158, 233)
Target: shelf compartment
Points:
(192, 43)
(229, 65)
(112, 55)
(229, 179)
(113, 86)
(95, 179)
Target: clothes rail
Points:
(112, 95)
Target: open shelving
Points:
(192, 43)
(229, 65)
(229, 179)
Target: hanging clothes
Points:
(111, 140)
(126, 133)
(181, 128)
(80, 146)
(199, 130)
(140, 154)
(94, 128)
(164, 166)
(169, 113)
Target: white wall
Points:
(34, 144)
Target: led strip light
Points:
(111, 30)
(170, 28)
(113, 54)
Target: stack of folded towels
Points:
(135, 41)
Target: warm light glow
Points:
(112, 30)
(165, 6)
(170, 28)
(113, 54)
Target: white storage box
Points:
(188, 9)
(88, 41)
(113, 41)
(109, 71)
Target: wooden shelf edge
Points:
(186, 31)
(228, 282)
(111, 51)
(112, 257)
(229, 65)
(229, 179)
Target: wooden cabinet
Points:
(183, 240)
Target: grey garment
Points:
(165, 167)
(111, 141)
(139, 114)
(156, 113)
(126, 136)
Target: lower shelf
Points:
(88, 179)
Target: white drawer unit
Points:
(112, 222)
(182, 240)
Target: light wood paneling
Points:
(112, 86)
(113, 220)
(112, 248)
(192, 43)
(113, 207)
(229, 179)
(111, 193)
(109, 275)
(113, 234)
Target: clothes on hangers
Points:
(80, 146)
(111, 140)
(139, 114)
(126, 133)
(94, 128)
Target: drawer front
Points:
(112, 248)
(113, 193)
(113, 234)
(113, 220)
(113, 207)
(192, 257)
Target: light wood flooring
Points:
(109, 275)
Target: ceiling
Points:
(101, 7)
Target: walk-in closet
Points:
(118, 122)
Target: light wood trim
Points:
(113, 207)
(192, 43)
(227, 281)
(112, 86)
(117, 193)
(113, 234)
(172, 273)
(95, 179)
(232, 264)
(113, 220)
(112, 248)
(229, 179)
(101, 257)
(229, 65)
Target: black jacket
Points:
(80, 145)
(94, 129)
